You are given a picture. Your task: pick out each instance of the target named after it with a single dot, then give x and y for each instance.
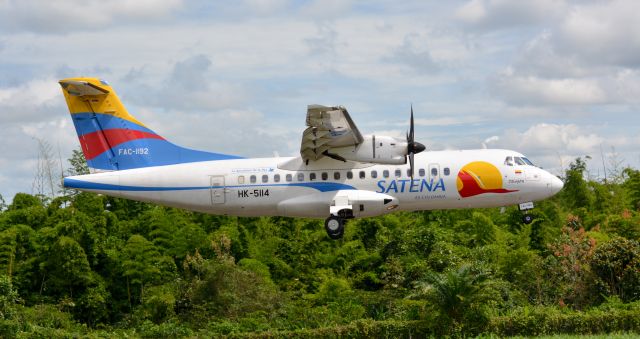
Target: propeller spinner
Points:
(413, 147)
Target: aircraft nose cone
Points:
(417, 147)
(556, 184)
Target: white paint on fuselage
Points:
(189, 185)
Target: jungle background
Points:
(80, 264)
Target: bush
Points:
(356, 329)
(545, 320)
(165, 330)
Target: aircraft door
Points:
(218, 189)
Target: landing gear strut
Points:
(334, 226)
(525, 208)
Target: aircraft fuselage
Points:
(291, 187)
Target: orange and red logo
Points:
(480, 177)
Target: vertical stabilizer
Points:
(112, 139)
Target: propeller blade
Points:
(411, 132)
(411, 164)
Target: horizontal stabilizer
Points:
(82, 88)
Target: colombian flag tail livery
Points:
(112, 139)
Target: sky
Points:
(552, 79)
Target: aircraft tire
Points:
(527, 219)
(334, 227)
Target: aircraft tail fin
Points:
(112, 139)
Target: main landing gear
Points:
(334, 226)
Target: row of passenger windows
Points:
(337, 175)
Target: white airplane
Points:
(340, 174)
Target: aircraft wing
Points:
(327, 128)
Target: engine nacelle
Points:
(375, 149)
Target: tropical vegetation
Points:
(82, 264)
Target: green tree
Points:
(8, 297)
(568, 267)
(632, 184)
(143, 264)
(67, 268)
(617, 264)
(92, 305)
(477, 231)
(3, 204)
(78, 163)
(456, 293)
(627, 224)
(575, 190)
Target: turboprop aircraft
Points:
(340, 174)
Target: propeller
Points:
(413, 147)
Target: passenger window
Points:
(374, 174)
(349, 175)
(241, 179)
(508, 161)
(398, 173)
(312, 176)
(434, 172)
(300, 176)
(385, 173)
(519, 161)
(276, 178)
(325, 176)
(289, 178)
(421, 172)
(252, 179)
(409, 172)
(447, 171)
(362, 175)
(336, 175)
(265, 178)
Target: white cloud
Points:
(415, 54)
(68, 15)
(589, 56)
(532, 90)
(602, 33)
(34, 100)
(325, 9)
(495, 14)
(267, 6)
(448, 121)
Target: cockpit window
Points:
(519, 161)
(508, 161)
(528, 161)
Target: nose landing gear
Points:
(525, 208)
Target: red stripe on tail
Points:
(95, 143)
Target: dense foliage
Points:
(86, 264)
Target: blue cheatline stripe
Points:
(320, 186)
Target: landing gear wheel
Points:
(527, 219)
(334, 227)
